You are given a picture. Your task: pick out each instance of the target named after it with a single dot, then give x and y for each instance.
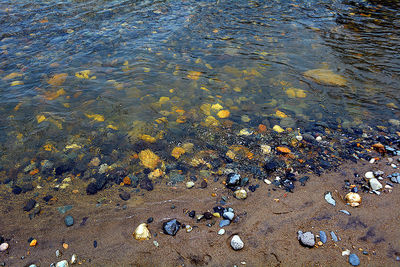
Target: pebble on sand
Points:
(354, 260)
(3, 247)
(237, 243)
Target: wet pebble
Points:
(171, 227)
(241, 194)
(237, 243)
(221, 231)
(3, 247)
(189, 184)
(306, 239)
(69, 221)
(228, 215)
(233, 180)
(354, 260)
(345, 212)
(150, 220)
(375, 184)
(17, 190)
(192, 214)
(329, 198)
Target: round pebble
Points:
(306, 239)
(354, 260)
(63, 263)
(221, 231)
(69, 221)
(237, 243)
(369, 175)
(3, 246)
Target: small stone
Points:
(155, 243)
(74, 259)
(329, 198)
(299, 137)
(224, 223)
(233, 180)
(346, 252)
(188, 228)
(221, 231)
(142, 232)
(375, 184)
(69, 221)
(267, 181)
(171, 227)
(125, 196)
(63, 263)
(189, 184)
(323, 237)
(192, 214)
(306, 239)
(29, 205)
(354, 260)
(334, 237)
(228, 215)
(318, 138)
(241, 194)
(236, 243)
(369, 175)
(3, 247)
(353, 199)
(58, 253)
(345, 212)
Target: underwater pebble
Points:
(189, 184)
(354, 260)
(142, 232)
(267, 181)
(224, 223)
(306, 239)
(329, 199)
(69, 221)
(346, 252)
(228, 215)
(221, 231)
(241, 194)
(345, 212)
(74, 259)
(318, 138)
(353, 199)
(171, 227)
(58, 253)
(155, 243)
(236, 243)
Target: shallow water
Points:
(149, 66)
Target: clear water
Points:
(244, 55)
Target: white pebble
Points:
(388, 186)
(346, 252)
(375, 184)
(299, 137)
(372, 161)
(74, 259)
(3, 246)
(221, 231)
(369, 175)
(188, 228)
(390, 160)
(58, 253)
(63, 263)
(319, 138)
(156, 243)
(240, 194)
(190, 184)
(267, 181)
(393, 166)
(237, 243)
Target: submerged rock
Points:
(171, 227)
(323, 237)
(325, 76)
(354, 260)
(142, 232)
(329, 199)
(233, 180)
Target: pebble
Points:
(3, 247)
(125, 196)
(306, 239)
(346, 252)
(334, 237)
(188, 228)
(69, 221)
(345, 212)
(228, 215)
(318, 138)
(171, 227)
(233, 180)
(189, 184)
(354, 260)
(329, 199)
(323, 237)
(369, 175)
(241, 194)
(224, 223)
(221, 231)
(58, 253)
(63, 263)
(74, 259)
(299, 137)
(237, 243)
(375, 184)
(30, 204)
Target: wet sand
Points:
(268, 224)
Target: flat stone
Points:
(323, 237)
(306, 239)
(228, 215)
(375, 184)
(224, 223)
(329, 199)
(69, 221)
(171, 227)
(354, 260)
(334, 237)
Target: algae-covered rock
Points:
(148, 158)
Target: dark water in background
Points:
(245, 55)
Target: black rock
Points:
(95, 244)
(192, 214)
(171, 227)
(150, 220)
(17, 190)
(47, 198)
(193, 178)
(303, 180)
(27, 187)
(64, 168)
(271, 166)
(208, 215)
(146, 184)
(288, 184)
(30, 205)
(91, 189)
(233, 180)
(125, 195)
(203, 184)
(219, 209)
